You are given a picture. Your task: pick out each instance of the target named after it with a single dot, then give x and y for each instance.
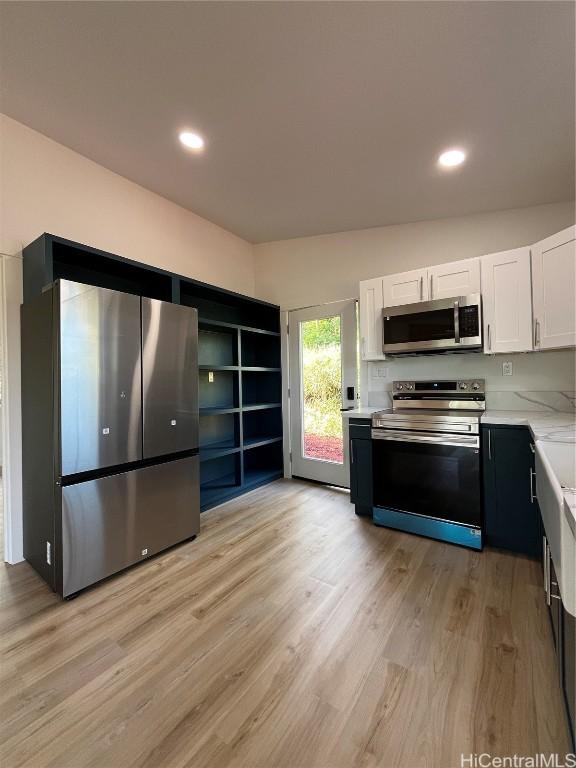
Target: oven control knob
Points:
(463, 385)
(409, 385)
(475, 385)
(400, 386)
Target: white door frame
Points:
(331, 473)
(10, 300)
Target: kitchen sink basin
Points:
(562, 456)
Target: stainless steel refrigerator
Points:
(110, 431)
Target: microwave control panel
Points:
(468, 321)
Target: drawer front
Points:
(113, 522)
(361, 430)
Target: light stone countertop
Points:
(544, 425)
(362, 413)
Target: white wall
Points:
(45, 187)
(313, 270)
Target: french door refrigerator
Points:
(110, 431)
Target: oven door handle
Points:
(462, 441)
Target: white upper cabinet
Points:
(457, 278)
(371, 319)
(553, 290)
(405, 287)
(507, 301)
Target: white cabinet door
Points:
(507, 301)
(371, 319)
(553, 290)
(405, 288)
(457, 278)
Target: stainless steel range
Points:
(426, 460)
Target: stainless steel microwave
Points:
(442, 325)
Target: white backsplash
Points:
(540, 381)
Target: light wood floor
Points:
(291, 633)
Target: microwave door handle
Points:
(457, 322)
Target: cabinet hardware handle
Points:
(421, 288)
(489, 338)
(547, 561)
(536, 333)
(532, 448)
(490, 444)
(544, 566)
(431, 289)
(352, 452)
(555, 597)
(532, 494)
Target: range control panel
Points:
(473, 386)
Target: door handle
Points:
(489, 338)
(431, 290)
(421, 288)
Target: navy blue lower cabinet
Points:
(569, 668)
(361, 492)
(511, 515)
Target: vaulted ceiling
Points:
(318, 116)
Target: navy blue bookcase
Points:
(238, 359)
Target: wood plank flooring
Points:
(290, 633)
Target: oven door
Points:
(435, 475)
(433, 326)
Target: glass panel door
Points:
(323, 372)
(322, 389)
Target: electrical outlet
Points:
(211, 377)
(382, 371)
(507, 369)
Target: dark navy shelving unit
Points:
(239, 366)
(240, 410)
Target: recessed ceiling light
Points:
(451, 158)
(191, 140)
